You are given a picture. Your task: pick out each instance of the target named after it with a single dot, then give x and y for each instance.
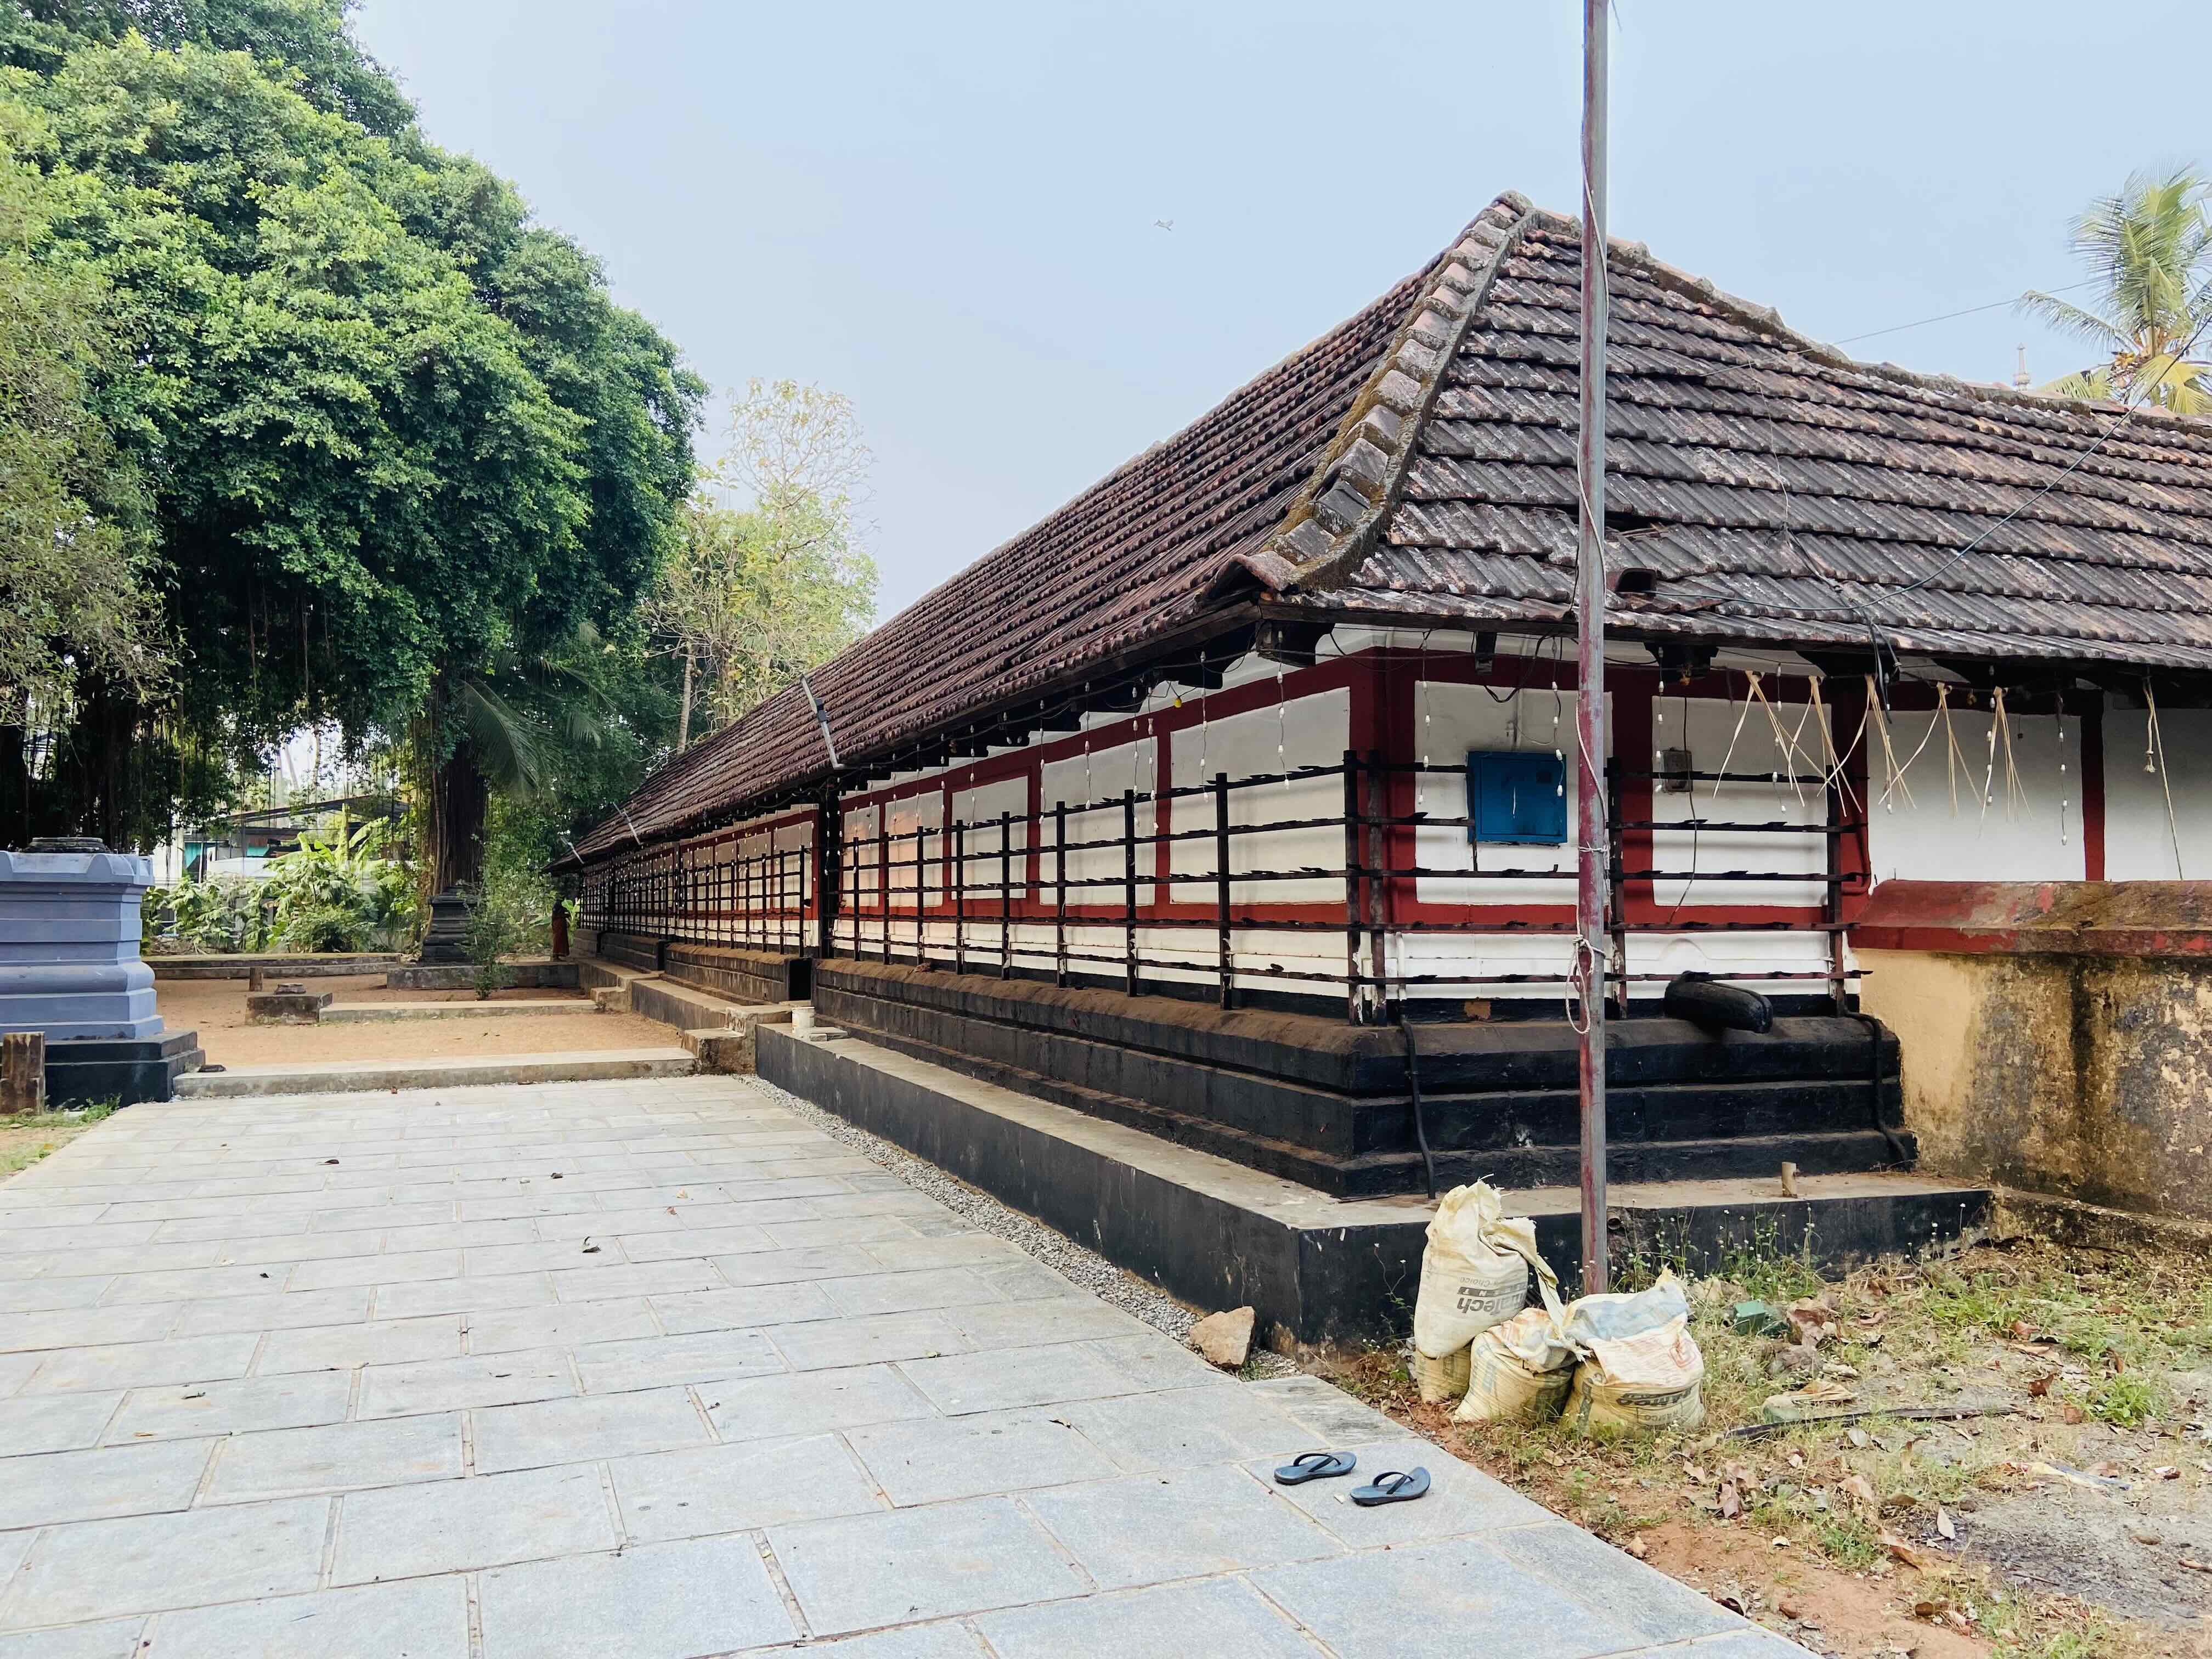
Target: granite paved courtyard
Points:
(651, 1370)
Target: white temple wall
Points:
(2140, 841)
(2033, 833)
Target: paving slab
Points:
(785, 1399)
(866, 1571)
(662, 1601)
(719, 1489)
(337, 1457)
(421, 1618)
(1160, 1623)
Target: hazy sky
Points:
(947, 212)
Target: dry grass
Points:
(25, 1140)
(2096, 1360)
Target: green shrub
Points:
(340, 892)
(505, 919)
(222, 914)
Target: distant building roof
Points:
(1416, 464)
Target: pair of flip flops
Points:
(1393, 1486)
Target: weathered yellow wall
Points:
(2088, 1077)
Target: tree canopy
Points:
(2150, 250)
(386, 430)
(753, 596)
(73, 530)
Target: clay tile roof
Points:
(1417, 463)
(1772, 490)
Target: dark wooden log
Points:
(22, 1073)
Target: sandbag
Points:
(1641, 1383)
(1626, 1313)
(1474, 1270)
(1440, 1379)
(1521, 1367)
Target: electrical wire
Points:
(1993, 305)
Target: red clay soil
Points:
(216, 1008)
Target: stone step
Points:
(357, 1013)
(275, 967)
(1220, 1234)
(367, 1076)
(537, 973)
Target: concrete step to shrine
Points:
(359, 1013)
(1221, 1234)
(364, 1076)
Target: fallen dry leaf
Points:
(2073, 1413)
(2166, 1472)
(1856, 1487)
(2196, 1566)
(1731, 1505)
(2041, 1385)
(1900, 1550)
(1945, 1527)
(1637, 1548)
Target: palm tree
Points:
(506, 727)
(2149, 248)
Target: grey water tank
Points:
(69, 943)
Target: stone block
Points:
(288, 1004)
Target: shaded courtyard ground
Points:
(2073, 1521)
(217, 1009)
(653, 1371)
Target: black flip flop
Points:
(1314, 1466)
(1398, 1486)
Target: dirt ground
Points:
(2065, 1513)
(216, 1008)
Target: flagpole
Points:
(1590, 829)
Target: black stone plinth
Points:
(127, 1070)
(445, 939)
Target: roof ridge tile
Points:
(1331, 522)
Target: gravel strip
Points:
(1085, 1267)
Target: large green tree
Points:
(394, 434)
(73, 531)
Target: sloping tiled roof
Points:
(1417, 462)
(1771, 489)
(1132, 557)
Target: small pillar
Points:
(70, 970)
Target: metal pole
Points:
(1005, 895)
(1060, 893)
(1352, 986)
(1129, 889)
(1378, 884)
(960, 896)
(1592, 836)
(1221, 883)
(882, 875)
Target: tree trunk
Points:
(457, 823)
(684, 720)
